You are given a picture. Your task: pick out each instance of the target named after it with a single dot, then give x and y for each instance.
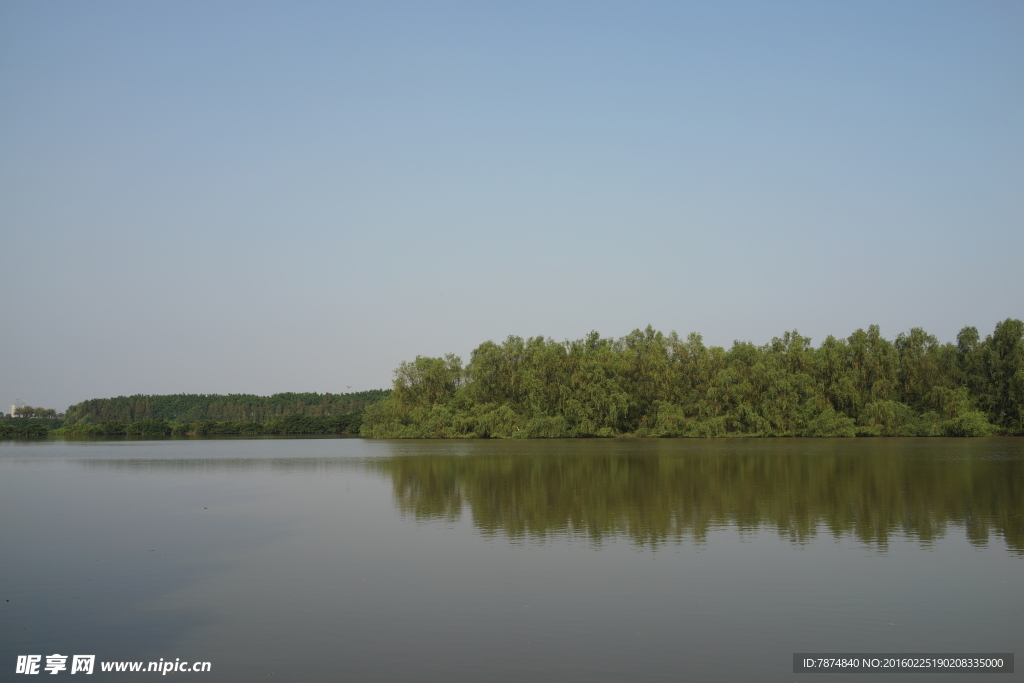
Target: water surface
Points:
(579, 560)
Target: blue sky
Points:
(215, 197)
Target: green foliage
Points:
(651, 384)
(213, 415)
(184, 408)
(885, 418)
(34, 412)
(286, 424)
(19, 428)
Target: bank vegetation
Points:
(650, 384)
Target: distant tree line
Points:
(33, 412)
(191, 408)
(651, 384)
(202, 415)
(30, 421)
(292, 423)
(23, 427)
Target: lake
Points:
(343, 559)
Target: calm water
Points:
(593, 560)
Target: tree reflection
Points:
(659, 495)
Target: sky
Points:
(258, 197)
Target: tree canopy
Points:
(34, 412)
(653, 384)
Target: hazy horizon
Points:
(261, 198)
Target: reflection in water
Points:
(290, 555)
(669, 492)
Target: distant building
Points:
(18, 403)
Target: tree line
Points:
(14, 428)
(652, 384)
(193, 408)
(293, 423)
(201, 415)
(37, 413)
(30, 421)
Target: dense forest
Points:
(652, 384)
(188, 408)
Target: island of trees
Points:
(656, 385)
